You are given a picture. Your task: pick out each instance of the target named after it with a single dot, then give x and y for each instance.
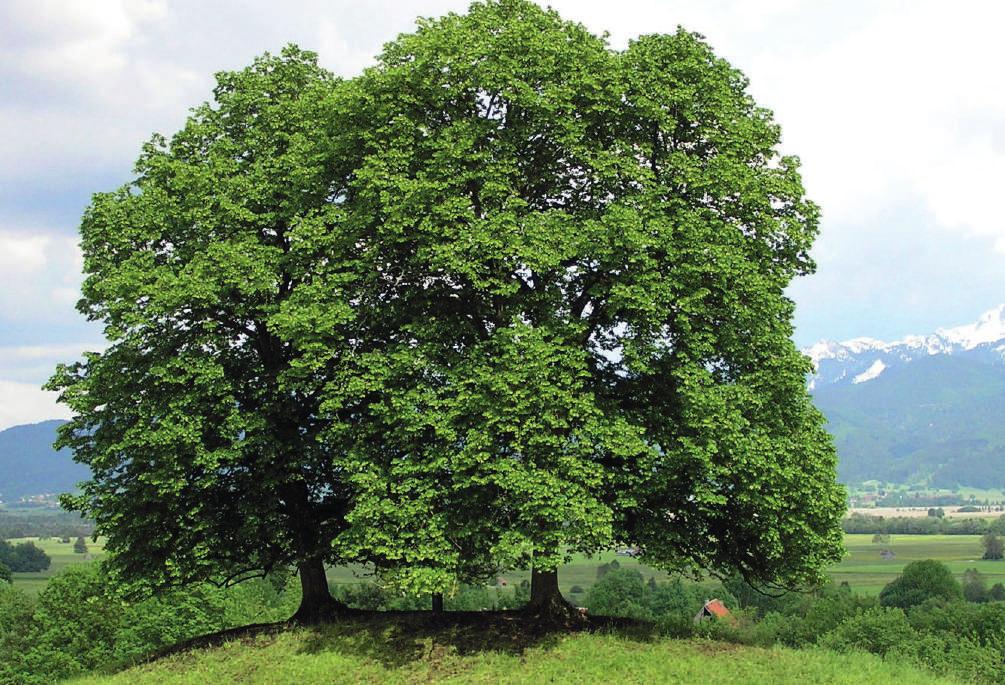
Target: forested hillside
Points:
(30, 466)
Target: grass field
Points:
(862, 568)
(62, 555)
(383, 650)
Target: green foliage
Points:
(167, 619)
(876, 630)
(620, 592)
(200, 428)
(594, 346)
(80, 546)
(920, 581)
(805, 620)
(79, 622)
(5, 574)
(997, 593)
(508, 295)
(73, 626)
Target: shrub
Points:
(877, 630)
(5, 574)
(997, 593)
(920, 580)
(815, 616)
(16, 610)
(620, 592)
(953, 655)
(167, 619)
(576, 590)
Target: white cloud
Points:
(23, 254)
(27, 403)
(41, 276)
(890, 104)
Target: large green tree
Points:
(586, 252)
(507, 295)
(199, 424)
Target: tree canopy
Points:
(507, 295)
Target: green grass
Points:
(62, 555)
(867, 573)
(383, 650)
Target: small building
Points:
(713, 608)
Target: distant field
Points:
(862, 568)
(922, 512)
(867, 572)
(62, 555)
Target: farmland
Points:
(62, 555)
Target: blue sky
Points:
(897, 110)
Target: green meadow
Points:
(62, 555)
(377, 650)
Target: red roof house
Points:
(713, 608)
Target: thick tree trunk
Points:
(437, 602)
(546, 601)
(316, 603)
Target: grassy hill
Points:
(392, 650)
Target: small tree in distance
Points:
(80, 546)
(994, 547)
(974, 586)
(920, 581)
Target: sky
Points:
(897, 110)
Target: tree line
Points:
(922, 525)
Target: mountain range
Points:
(926, 409)
(29, 466)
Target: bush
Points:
(997, 593)
(620, 592)
(952, 655)
(815, 616)
(576, 590)
(5, 574)
(168, 619)
(920, 581)
(877, 630)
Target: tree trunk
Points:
(437, 602)
(316, 603)
(546, 601)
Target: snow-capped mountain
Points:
(864, 359)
